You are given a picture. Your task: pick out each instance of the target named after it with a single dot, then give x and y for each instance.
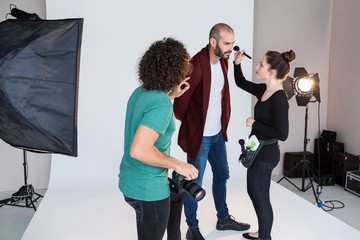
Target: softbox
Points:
(39, 72)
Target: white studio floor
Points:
(101, 213)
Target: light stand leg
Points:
(26, 193)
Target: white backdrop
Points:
(83, 201)
(115, 35)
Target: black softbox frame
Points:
(39, 78)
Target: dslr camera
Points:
(178, 185)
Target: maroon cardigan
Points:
(192, 106)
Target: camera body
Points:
(178, 185)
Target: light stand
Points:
(26, 193)
(304, 86)
(305, 163)
(33, 121)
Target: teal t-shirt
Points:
(137, 180)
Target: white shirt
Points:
(213, 118)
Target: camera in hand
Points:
(178, 185)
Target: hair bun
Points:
(289, 55)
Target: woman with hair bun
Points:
(270, 121)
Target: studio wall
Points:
(344, 83)
(305, 27)
(115, 36)
(83, 200)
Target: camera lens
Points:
(195, 191)
(199, 194)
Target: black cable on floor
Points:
(331, 205)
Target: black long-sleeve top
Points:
(271, 115)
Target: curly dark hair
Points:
(164, 65)
(280, 62)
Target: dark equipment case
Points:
(353, 182)
(343, 163)
(325, 150)
(293, 158)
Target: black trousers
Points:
(173, 228)
(258, 187)
(154, 217)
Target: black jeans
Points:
(258, 187)
(173, 228)
(154, 217)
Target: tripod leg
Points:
(291, 171)
(311, 183)
(4, 201)
(38, 196)
(32, 202)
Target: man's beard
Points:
(219, 53)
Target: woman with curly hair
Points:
(270, 121)
(149, 126)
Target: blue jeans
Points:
(212, 149)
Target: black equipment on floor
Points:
(325, 148)
(26, 196)
(343, 163)
(353, 182)
(293, 158)
(324, 153)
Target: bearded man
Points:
(204, 112)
